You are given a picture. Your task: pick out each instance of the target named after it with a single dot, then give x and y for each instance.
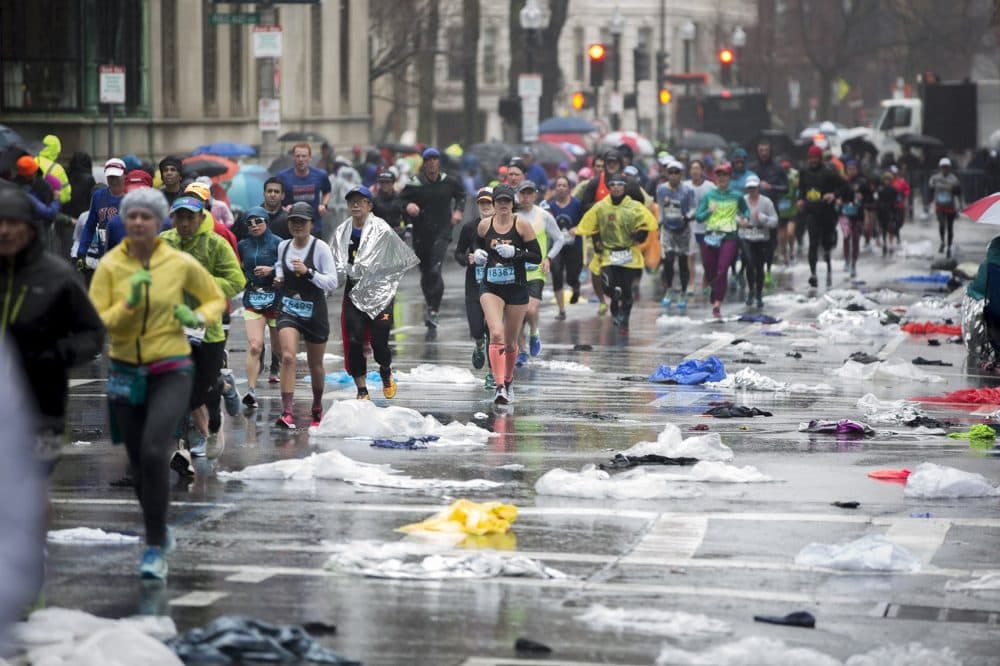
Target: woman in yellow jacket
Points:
(621, 224)
(147, 293)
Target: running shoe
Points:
(489, 383)
(198, 445)
(501, 395)
(250, 399)
(509, 390)
(813, 282)
(682, 306)
(215, 444)
(230, 396)
(363, 394)
(479, 355)
(170, 544)
(286, 421)
(666, 301)
(152, 566)
(602, 309)
(522, 359)
(388, 383)
(534, 345)
(717, 312)
(575, 297)
(760, 303)
(317, 417)
(749, 301)
(180, 462)
(561, 316)
(273, 379)
(431, 320)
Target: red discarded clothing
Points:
(892, 475)
(924, 327)
(980, 396)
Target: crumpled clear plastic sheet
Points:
(749, 379)
(562, 366)
(988, 583)
(886, 371)
(66, 637)
(411, 560)
(856, 328)
(922, 249)
(363, 418)
(886, 296)
(711, 471)
(335, 466)
(974, 334)
(234, 639)
(892, 412)
(429, 373)
(467, 517)
(841, 298)
(670, 321)
(930, 481)
(89, 536)
(758, 650)
(593, 483)
(670, 443)
(675, 625)
(872, 552)
(937, 310)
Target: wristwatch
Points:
(310, 273)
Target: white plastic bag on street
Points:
(428, 373)
(562, 366)
(710, 471)
(893, 412)
(750, 651)
(885, 371)
(872, 552)
(932, 309)
(593, 483)
(749, 379)
(670, 443)
(90, 535)
(930, 481)
(363, 418)
(676, 625)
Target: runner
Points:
(550, 240)
(947, 192)
(305, 274)
(372, 258)
(853, 215)
(594, 191)
(139, 290)
(755, 237)
(721, 210)
(566, 266)
(700, 185)
(464, 255)
(259, 253)
(819, 185)
(506, 244)
(622, 225)
(103, 206)
(677, 206)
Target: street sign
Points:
(241, 18)
(267, 41)
(112, 84)
(529, 118)
(269, 115)
(529, 85)
(616, 102)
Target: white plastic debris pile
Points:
(751, 348)
(755, 650)
(593, 483)
(872, 552)
(886, 371)
(989, 582)
(363, 418)
(886, 296)
(936, 310)
(66, 637)
(90, 536)
(749, 379)
(562, 366)
(412, 560)
(923, 249)
(676, 625)
(855, 328)
(842, 298)
(891, 412)
(668, 321)
(930, 481)
(335, 466)
(709, 471)
(670, 443)
(428, 373)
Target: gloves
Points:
(139, 278)
(186, 316)
(505, 251)
(480, 256)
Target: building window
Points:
(454, 53)
(209, 60)
(316, 61)
(37, 77)
(345, 48)
(237, 41)
(644, 43)
(490, 37)
(168, 36)
(579, 54)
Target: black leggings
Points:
(147, 429)
(618, 282)
(566, 266)
(430, 252)
(358, 327)
(474, 311)
(946, 227)
(209, 358)
(755, 255)
(668, 270)
(822, 228)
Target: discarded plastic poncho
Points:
(929, 327)
(980, 396)
(930, 481)
(465, 516)
(692, 371)
(841, 427)
(872, 552)
(977, 435)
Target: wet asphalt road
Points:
(258, 548)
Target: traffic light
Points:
(726, 59)
(640, 64)
(597, 54)
(662, 66)
(582, 100)
(665, 96)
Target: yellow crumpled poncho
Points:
(465, 516)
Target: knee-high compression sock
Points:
(286, 402)
(509, 372)
(496, 355)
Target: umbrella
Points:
(247, 187)
(225, 149)
(550, 153)
(985, 210)
(560, 139)
(568, 125)
(701, 141)
(209, 165)
(402, 148)
(858, 146)
(492, 154)
(639, 144)
(919, 141)
(9, 137)
(280, 163)
(307, 135)
(9, 157)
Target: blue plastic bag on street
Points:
(692, 371)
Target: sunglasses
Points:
(673, 170)
(254, 221)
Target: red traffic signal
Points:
(597, 52)
(726, 56)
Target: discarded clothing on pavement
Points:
(693, 371)
(728, 410)
(980, 396)
(797, 619)
(597, 416)
(896, 412)
(621, 461)
(467, 517)
(528, 646)
(410, 443)
(929, 327)
(872, 552)
(885, 370)
(846, 505)
(920, 360)
(936, 278)
(976, 434)
(89, 535)
(676, 625)
(363, 418)
(841, 427)
(759, 318)
(670, 443)
(749, 379)
(893, 475)
(234, 639)
(863, 357)
(842, 327)
(930, 481)
(413, 560)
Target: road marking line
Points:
(73, 383)
(493, 661)
(716, 345)
(891, 346)
(198, 599)
(250, 577)
(672, 537)
(134, 502)
(922, 536)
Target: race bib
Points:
(784, 205)
(127, 385)
(944, 198)
(849, 209)
(480, 272)
(297, 307)
(500, 274)
(813, 195)
(620, 257)
(261, 300)
(713, 240)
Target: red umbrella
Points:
(210, 165)
(566, 138)
(986, 210)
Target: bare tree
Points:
(470, 71)
(426, 54)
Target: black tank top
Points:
(299, 286)
(504, 271)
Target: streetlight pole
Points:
(688, 32)
(616, 28)
(529, 86)
(739, 38)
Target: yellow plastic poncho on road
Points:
(467, 517)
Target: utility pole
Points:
(661, 113)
